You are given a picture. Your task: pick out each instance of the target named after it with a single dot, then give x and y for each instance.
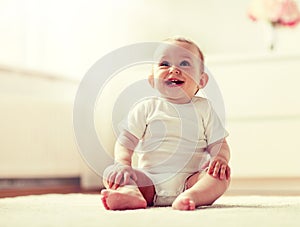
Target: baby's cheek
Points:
(191, 73)
(195, 79)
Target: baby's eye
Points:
(185, 63)
(164, 63)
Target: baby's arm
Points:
(220, 153)
(122, 172)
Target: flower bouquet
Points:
(275, 13)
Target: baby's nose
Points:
(174, 70)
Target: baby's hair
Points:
(185, 40)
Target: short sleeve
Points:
(135, 122)
(214, 128)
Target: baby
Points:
(178, 138)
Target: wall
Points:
(70, 40)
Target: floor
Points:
(78, 209)
(239, 186)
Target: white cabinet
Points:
(36, 127)
(262, 99)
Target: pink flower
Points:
(277, 12)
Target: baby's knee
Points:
(223, 185)
(220, 189)
(226, 183)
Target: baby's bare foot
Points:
(183, 203)
(122, 199)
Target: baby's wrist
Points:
(122, 163)
(221, 157)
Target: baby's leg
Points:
(136, 195)
(203, 189)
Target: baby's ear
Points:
(151, 80)
(203, 80)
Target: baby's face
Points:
(177, 72)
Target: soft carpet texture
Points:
(87, 210)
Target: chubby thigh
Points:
(146, 186)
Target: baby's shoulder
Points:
(202, 105)
(197, 100)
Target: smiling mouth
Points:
(174, 82)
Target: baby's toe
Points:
(192, 205)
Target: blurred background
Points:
(46, 47)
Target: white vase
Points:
(269, 32)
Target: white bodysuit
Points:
(172, 141)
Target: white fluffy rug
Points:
(86, 210)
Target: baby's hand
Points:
(120, 175)
(219, 168)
